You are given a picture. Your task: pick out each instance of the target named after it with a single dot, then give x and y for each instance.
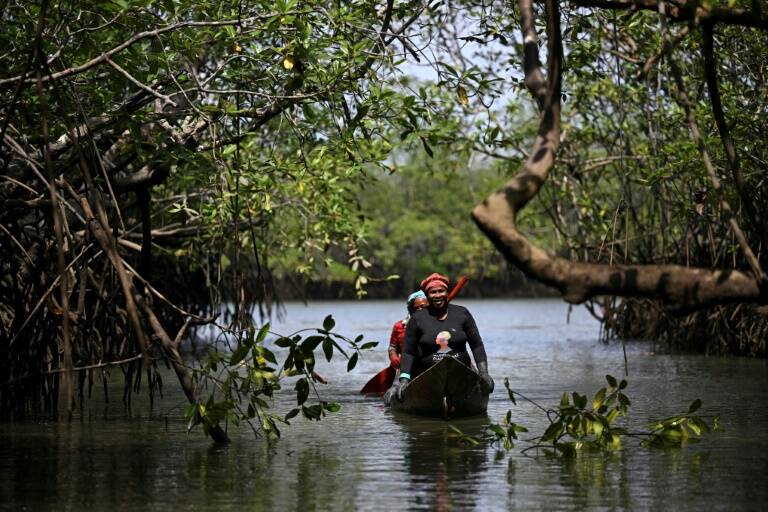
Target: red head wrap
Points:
(433, 280)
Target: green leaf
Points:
(564, 401)
(311, 343)
(329, 323)
(611, 380)
(509, 391)
(302, 390)
(298, 359)
(499, 431)
(284, 342)
(328, 348)
(695, 405)
(292, 413)
(427, 148)
(239, 354)
(332, 407)
(262, 333)
(369, 345)
(313, 412)
(700, 424)
(552, 432)
(352, 362)
(599, 399)
(266, 354)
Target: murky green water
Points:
(366, 458)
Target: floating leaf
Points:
(332, 407)
(695, 405)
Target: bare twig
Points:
(137, 83)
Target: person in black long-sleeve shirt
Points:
(439, 331)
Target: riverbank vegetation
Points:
(163, 162)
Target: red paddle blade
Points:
(456, 289)
(380, 382)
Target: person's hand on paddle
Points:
(394, 360)
(485, 377)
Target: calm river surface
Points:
(366, 458)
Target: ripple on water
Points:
(366, 458)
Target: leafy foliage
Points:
(244, 380)
(578, 424)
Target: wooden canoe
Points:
(448, 389)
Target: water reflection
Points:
(365, 458)
(443, 473)
(597, 479)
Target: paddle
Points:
(383, 380)
(459, 285)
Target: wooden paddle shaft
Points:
(456, 289)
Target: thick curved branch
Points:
(534, 78)
(684, 288)
(687, 10)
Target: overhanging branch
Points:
(683, 288)
(687, 10)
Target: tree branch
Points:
(683, 99)
(710, 69)
(104, 57)
(686, 10)
(683, 288)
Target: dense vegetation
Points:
(163, 161)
